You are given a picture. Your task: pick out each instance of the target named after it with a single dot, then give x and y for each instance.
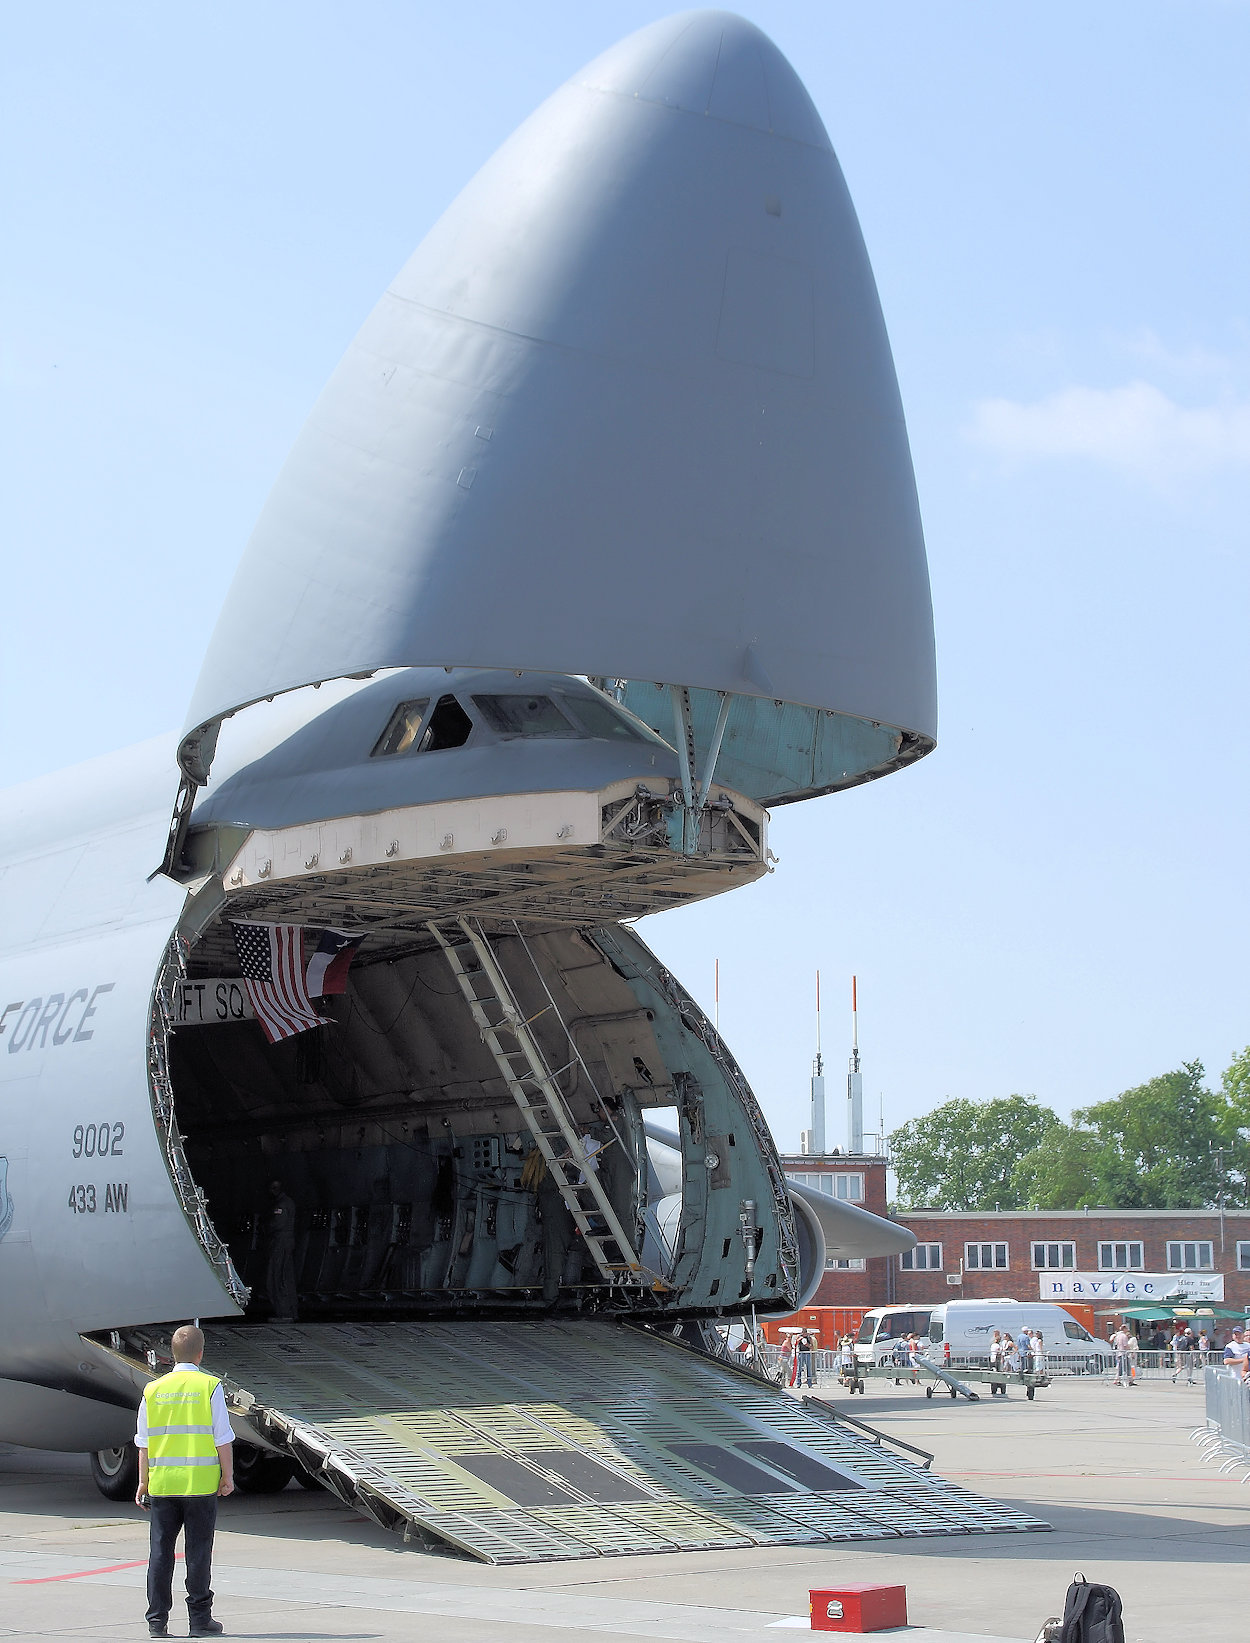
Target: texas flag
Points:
(286, 966)
(329, 960)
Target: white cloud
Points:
(1152, 353)
(1135, 428)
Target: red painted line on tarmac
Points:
(81, 1574)
(1144, 1477)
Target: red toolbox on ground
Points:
(859, 1608)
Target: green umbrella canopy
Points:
(1149, 1314)
(1209, 1312)
(1156, 1314)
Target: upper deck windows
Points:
(411, 730)
(524, 716)
(416, 726)
(563, 715)
(403, 729)
(601, 719)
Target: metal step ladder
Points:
(532, 1085)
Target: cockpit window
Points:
(524, 716)
(602, 720)
(411, 730)
(449, 726)
(400, 735)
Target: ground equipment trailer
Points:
(998, 1380)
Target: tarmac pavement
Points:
(1111, 1468)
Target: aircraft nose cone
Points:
(712, 63)
(628, 410)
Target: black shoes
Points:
(207, 1628)
(157, 1628)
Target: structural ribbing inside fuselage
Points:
(420, 1183)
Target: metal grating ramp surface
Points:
(530, 1442)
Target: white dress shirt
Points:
(223, 1432)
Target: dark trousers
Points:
(280, 1281)
(196, 1515)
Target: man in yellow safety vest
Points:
(185, 1463)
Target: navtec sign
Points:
(1132, 1287)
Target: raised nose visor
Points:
(628, 412)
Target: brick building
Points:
(1096, 1256)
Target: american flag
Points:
(280, 981)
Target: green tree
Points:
(963, 1154)
(1154, 1142)
(1235, 1088)
(1063, 1171)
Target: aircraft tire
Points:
(928, 1391)
(258, 1473)
(116, 1472)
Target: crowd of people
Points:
(1185, 1349)
(1181, 1347)
(1022, 1355)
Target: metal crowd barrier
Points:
(1044, 1365)
(1165, 1365)
(1226, 1435)
(1148, 1366)
(824, 1362)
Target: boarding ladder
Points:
(532, 1085)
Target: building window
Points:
(927, 1258)
(1120, 1258)
(1243, 1256)
(985, 1257)
(1059, 1257)
(845, 1185)
(1184, 1257)
(856, 1265)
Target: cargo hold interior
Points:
(415, 1179)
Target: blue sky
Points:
(204, 202)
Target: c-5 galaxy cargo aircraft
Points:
(601, 540)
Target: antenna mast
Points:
(816, 1135)
(854, 1080)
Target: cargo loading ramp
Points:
(528, 1442)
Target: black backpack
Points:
(1092, 1614)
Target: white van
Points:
(883, 1326)
(967, 1328)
